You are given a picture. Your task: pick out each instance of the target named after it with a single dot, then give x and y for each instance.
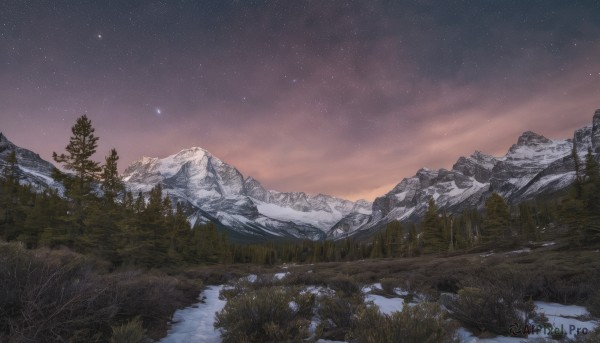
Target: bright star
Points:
(99, 36)
(158, 111)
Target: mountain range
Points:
(212, 190)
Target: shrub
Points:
(344, 284)
(42, 301)
(46, 297)
(389, 285)
(130, 332)
(152, 296)
(337, 315)
(423, 323)
(490, 308)
(274, 314)
(594, 305)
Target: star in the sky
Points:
(158, 111)
(99, 36)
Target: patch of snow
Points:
(520, 251)
(280, 276)
(554, 309)
(319, 219)
(401, 196)
(195, 324)
(401, 292)
(318, 290)
(386, 305)
(369, 288)
(294, 306)
(465, 336)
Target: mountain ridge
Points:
(533, 166)
(212, 190)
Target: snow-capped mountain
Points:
(213, 190)
(210, 189)
(32, 169)
(535, 165)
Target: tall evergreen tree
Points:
(496, 225)
(111, 182)
(433, 230)
(82, 146)
(591, 197)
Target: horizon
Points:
(317, 193)
(340, 98)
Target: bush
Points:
(152, 296)
(45, 302)
(274, 314)
(389, 285)
(594, 305)
(491, 308)
(337, 315)
(344, 284)
(423, 323)
(59, 298)
(130, 332)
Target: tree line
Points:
(97, 215)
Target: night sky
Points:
(337, 97)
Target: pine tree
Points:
(111, 182)
(82, 146)
(496, 225)
(591, 197)
(413, 243)
(528, 227)
(180, 236)
(433, 231)
(154, 230)
(104, 215)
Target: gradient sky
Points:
(337, 97)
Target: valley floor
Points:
(562, 284)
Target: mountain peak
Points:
(192, 153)
(532, 138)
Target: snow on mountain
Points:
(213, 190)
(33, 169)
(210, 189)
(533, 166)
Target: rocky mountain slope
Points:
(210, 189)
(33, 169)
(213, 190)
(535, 165)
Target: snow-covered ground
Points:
(195, 324)
(386, 305)
(569, 319)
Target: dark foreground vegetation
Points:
(486, 294)
(98, 263)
